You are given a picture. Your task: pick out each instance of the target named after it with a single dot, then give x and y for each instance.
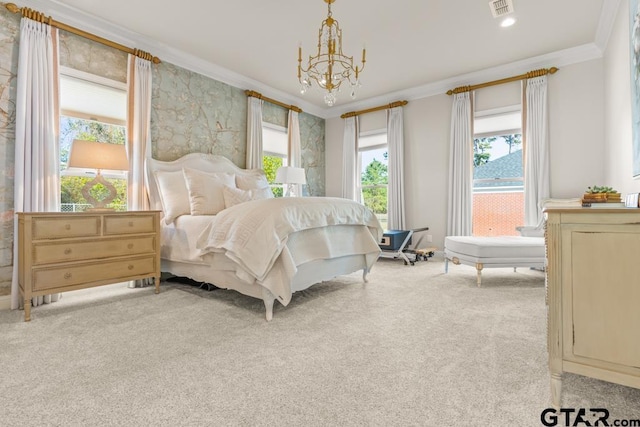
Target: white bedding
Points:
(254, 235)
(266, 249)
(264, 241)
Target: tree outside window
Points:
(374, 181)
(71, 182)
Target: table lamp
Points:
(99, 156)
(290, 176)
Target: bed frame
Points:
(307, 274)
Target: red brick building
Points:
(498, 196)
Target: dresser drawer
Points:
(65, 226)
(110, 270)
(48, 253)
(129, 224)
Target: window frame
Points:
(515, 184)
(284, 157)
(75, 114)
(359, 187)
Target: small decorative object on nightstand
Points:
(61, 252)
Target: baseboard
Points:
(5, 302)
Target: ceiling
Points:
(414, 47)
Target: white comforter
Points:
(254, 234)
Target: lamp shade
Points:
(291, 175)
(97, 155)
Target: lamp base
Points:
(99, 204)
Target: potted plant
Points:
(601, 194)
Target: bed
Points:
(221, 225)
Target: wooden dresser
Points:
(593, 295)
(61, 252)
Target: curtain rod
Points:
(272, 101)
(371, 110)
(529, 75)
(40, 17)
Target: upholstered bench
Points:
(500, 251)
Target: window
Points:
(92, 108)
(498, 185)
(373, 161)
(275, 153)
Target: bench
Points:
(499, 251)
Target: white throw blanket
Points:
(254, 234)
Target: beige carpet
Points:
(413, 347)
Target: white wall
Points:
(576, 98)
(617, 86)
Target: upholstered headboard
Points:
(199, 161)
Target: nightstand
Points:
(61, 252)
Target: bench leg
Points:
(479, 268)
(446, 265)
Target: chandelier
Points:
(329, 68)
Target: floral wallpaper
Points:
(190, 113)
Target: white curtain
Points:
(139, 76)
(37, 157)
(536, 149)
(460, 203)
(395, 141)
(254, 133)
(294, 149)
(138, 130)
(350, 159)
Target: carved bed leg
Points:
(268, 299)
(365, 271)
(479, 268)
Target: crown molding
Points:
(108, 30)
(605, 24)
(121, 35)
(558, 59)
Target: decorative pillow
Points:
(173, 194)
(251, 181)
(262, 193)
(235, 196)
(205, 190)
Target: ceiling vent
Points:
(501, 7)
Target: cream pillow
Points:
(173, 194)
(205, 190)
(249, 182)
(235, 196)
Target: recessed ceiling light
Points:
(507, 22)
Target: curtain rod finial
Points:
(11, 7)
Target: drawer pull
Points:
(67, 275)
(130, 267)
(67, 226)
(130, 246)
(67, 251)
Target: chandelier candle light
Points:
(330, 67)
